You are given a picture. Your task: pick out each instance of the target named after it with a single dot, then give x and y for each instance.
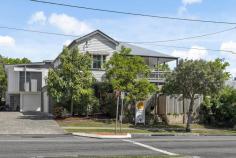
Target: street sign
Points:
(140, 112)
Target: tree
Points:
(72, 79)
(3, 79)
(129, 74)
(163, 67)
(220, 110)
(194, 77)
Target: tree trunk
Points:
(72, 107)
(189, 121)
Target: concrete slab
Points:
(28, 123)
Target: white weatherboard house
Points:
(31, 97)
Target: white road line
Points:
(151, 148)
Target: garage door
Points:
(31, 102)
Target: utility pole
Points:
(117, 109)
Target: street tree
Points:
(129, 74)
(72, 79)
(193, 77)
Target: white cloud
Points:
(38, 18)
(7, 41)
(196, 52)
(69, 24)
(190, 2)
(229, 46)
(183, 9)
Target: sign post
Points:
(117, 109)
(122, 96)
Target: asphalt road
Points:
(22, 146)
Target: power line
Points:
(182, 47)
(67, 35)
(183, 38)
(36, 31)
(134, 42)
(134, 14)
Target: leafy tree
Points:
(220, 110)
(163, 67)
(3, 79)
(129, 74)
(193, 77)
(72, 80)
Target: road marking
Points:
(151, 148)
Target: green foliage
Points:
(193, 77)
(88, 105)
(220, 110)
(109, 105)
(72, 80)
(129, 73)
(3, 79)
(163, 67)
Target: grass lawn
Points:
(84, 125)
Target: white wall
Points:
(98, 74)
(45, 102)
(30, 101)
(13, 80)
(44, 76)
(97, 44)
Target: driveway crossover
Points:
(28, 123)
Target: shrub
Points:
(58, 112)
(109, 105)
(88, 105)
(220, 110)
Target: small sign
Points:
(140, 112)
(117, 93)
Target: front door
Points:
(14, 102)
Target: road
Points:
(25, 146)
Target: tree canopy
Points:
(72, 80)
(129, 74)
(193, 77)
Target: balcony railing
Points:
(158, 76)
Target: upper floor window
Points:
(98, 61)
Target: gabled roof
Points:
(136, 50)
(90, 35)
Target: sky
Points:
(37, 47)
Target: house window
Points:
(98, 61)
(34, 80)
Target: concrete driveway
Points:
(28, 123)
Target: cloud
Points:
(229, 46)
(38, 18)
(193, 53)
(69, 24)
(7, 41)
(190, 2)
(183, 8)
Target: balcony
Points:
(158, 76)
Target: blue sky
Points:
(37, 47)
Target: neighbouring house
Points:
(25, 82)
(231, 83)
(27, 89)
